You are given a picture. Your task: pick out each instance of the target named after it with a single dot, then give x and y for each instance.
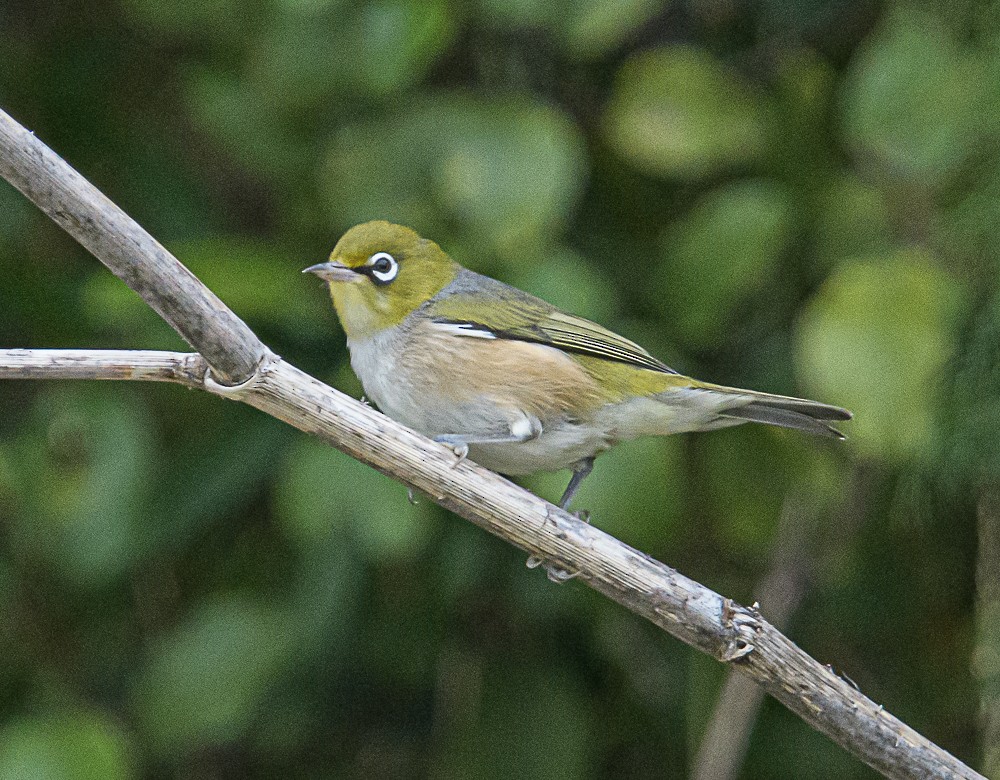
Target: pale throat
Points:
(361, 314)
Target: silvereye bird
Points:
(508, 379)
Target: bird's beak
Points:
(333, 272)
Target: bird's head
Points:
(380, 272)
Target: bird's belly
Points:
(435, 410)
(559, 446)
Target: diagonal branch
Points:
(679, 605)
(134, 256)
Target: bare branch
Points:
(681, 606)
(186, 368)
(134, 256)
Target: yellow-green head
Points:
(380, 272)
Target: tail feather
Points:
(783, 418)
(786, 412)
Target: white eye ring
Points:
(384, 267)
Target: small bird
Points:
(507, 379)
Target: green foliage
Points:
(65, 745)
(507, 170)
(203, 684)
(357, 504)
(96, 470)
(725, 252)
(509, 730)
(679, 112)
(912, 99)
(796, 197)
(879, 334)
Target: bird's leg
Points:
(521, 430)
(556, 573)
(580, 472)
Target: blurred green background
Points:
(797, 196)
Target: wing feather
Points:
(475, 306)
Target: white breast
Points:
(386, 383)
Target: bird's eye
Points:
(383, 267)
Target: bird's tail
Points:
(783, 411)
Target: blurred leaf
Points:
(966, 230)
(18, 658)
(328, 590)
(971, 411)
(514, 13)
(529, 722)
(853, 221)
(259, 282)
(377, 48)
(221, 467)
(587, 28)
(565, 279)
(986, 655)
(678, 112)
(212, 20)
(876, 339)
(245, 128)
(262, 284)
(749, 473)
(65, 745)
(108, 306)
(15, 217)
(910, 98)
(591, 28)
(394, 42)
(508, 170)
(377, 169)
(725, 250)
(85, 487)
(650, 473)
(322, 492)
(204, 682)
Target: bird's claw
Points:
(556, 574)
(462, 451)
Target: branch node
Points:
(745, 624)
(238, 391)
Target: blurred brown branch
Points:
(987, 663)
(238, 366)
(723, 748)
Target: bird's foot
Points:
(461, 449)
(556, 574)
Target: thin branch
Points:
(681, 606)
(185, 368)
(134, 256)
